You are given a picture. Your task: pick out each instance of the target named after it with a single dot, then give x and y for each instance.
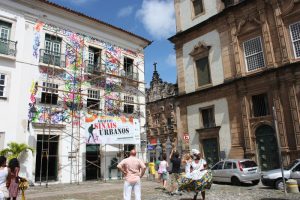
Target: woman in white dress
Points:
(4, 178)
(196, 178)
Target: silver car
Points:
(273, 177)
(236, 171)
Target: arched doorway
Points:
(267, 147)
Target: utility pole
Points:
(279, 149)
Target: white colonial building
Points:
(60, 71)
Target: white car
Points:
(236, 171)
(273, 178)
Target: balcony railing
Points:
(209, 124)
(94, 69)
(8, 47)
(130, 75)
(52, 58)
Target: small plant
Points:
(15, 150)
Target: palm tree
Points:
(15, 150)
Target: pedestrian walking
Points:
(157, 162)
(133, 170)
(13, 189)
(4, 178)
(175, 172)
(163, 166)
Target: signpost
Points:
(186, 137)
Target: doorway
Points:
(92, 162)
(267, 148)
(211, 151)
(44, 165)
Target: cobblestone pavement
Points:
(151, 190)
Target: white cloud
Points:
(158, 17)
(171, 59)
(125, 12)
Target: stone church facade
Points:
(236, 71)
(160, 112)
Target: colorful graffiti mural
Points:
(73, 78)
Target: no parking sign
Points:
(186, 137)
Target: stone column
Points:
(282, 35)
(295, 113)
(235, 43)
(268, 46)
(280, 119)
(246, 124)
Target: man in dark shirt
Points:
(176, 162)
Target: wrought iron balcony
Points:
(131, 75)
(94, 69)
(209, 124)
(8, 47)
(52, 58)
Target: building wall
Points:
(278, 79)
(211, 39)
(30, 21)
(184, 15)
(221, 119)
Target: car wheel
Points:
(235, 181)
(279, 184)
(255, 182)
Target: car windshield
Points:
(248, 164)
(290, 166)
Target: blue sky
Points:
(152, 19)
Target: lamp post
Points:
(179, 147)
(168, 148)
(158, 149)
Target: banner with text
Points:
(112, 130)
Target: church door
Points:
(211, 151)
(267, 148)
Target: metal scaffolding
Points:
(56, 72)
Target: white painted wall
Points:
(221, 119)
(23, 70)
(211, 8)
(215, 60)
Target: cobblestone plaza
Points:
(113, 190)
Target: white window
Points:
(50, 87)
(91, 58)
(254, 55)
(93, 100)
(128, 99)
(2, 85)
(4, 33)
(49, 93)
(295, 34)
(93, 94)
(4, 30)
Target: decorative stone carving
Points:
(200, 48)
(159, 89)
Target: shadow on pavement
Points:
(242, 184)
(273, 199)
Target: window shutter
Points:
(203, 71)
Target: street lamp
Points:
(179, 147)
(168, 148)
(158, 149)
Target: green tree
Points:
(15, 150)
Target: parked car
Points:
(236, 171)
(273, 178)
